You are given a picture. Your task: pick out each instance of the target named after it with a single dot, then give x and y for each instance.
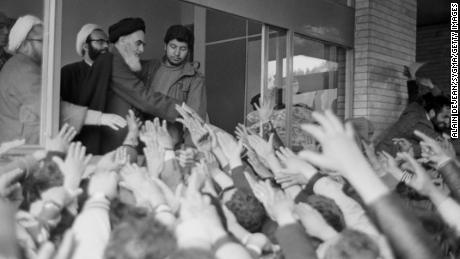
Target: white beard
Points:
(133, 61)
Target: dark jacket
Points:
(188, 87)
(127, 90)
(414, 117)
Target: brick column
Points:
(385, 38)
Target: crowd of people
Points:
(181, 188)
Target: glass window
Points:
(21, 85)
(318, 76)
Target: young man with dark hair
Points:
(175, 75)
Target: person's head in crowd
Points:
(4, 30)
(249, 212)
(327, 208)
(192, 253)
(128, 35)
(144, 238)
(178, 44)
(121, 211)
(438, 109)
(46, 176)
(26, 37)
(352, 244)
(91, 42)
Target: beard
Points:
(93, 53)
(132, 60)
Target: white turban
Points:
(19, 31)
(83, 34)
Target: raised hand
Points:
(291, 179)
(9, 182)
(277, 204)
(133, 123)
(155, 156)
(295, 165)
(390, 165)
(74, 165)
(265, 110)
(113, 121)
(230, 148)
(432, 150)
(260, 169)
(62, 140)
(314, 223)
(146, 192)
(420, 181)
(114, 160)
(61, 195)
(6, 146)
(260, 146)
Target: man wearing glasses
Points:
(91, 42)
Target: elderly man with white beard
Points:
(118, 82)
(21, 84)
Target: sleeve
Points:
(450, 213)
(196, 98)
(72, 114)
(295, 243)
(92, 229)
(239, 179)
(133, 90)
(406, 235)
(451, 176)
(26, 163)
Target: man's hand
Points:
(133, 123)
(113, 160)
(9, 182)
(278, 206)
(61, 195)
(146, 192)
(6, 146)
(295, 165)
(155, 157)
(432, 150)
(62, 140)
(314, 223)
(74, 165)
(260, 146)
(230, 148)
(113, 121)
(265, 110)
(420, 181)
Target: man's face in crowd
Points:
(3, 34)
(98, 44)
(441, 121)
(176, 52)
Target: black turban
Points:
(125, 27)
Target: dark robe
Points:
(112, 87)
(72, 78)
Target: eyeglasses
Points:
(31, 39)
(100, 41)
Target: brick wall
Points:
(385, 38)
(433, 47)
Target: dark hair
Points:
(436, 103)
(249, 212)
(179, 33)
(328, 209)
(46, 176)
(352, 244)
(139, 239)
